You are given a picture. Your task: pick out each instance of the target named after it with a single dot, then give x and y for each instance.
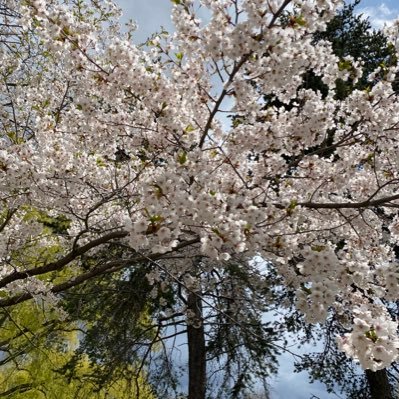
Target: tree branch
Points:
(109, 267)
(71, 256)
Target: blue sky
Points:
(150, 15)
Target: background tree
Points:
(118, 336)
(36, 345)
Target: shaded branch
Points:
(109, 267)
(71, 256)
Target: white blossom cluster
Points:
(373, 341)
(315, 297)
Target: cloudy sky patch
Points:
(380, 14)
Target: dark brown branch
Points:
(71, 256)
(219, 101)
(109, 267)
(350, 205)
(17, 389)
(10, 213)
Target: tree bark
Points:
(196, 349)
(379, 384)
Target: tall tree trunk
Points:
(196, 350)
(379, 384)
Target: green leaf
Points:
(189, 128)
(237, 122)
(293, 204)
(371, 334)
(182, 158)
(156, 218)
(318, 248)
(100, 162)
(300, 20)
(345, 65)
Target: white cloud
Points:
(381, 15)
(384, 10)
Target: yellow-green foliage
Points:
(37, 345)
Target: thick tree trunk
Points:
(379, 384)
(196, 350)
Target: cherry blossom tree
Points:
(106, 142)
